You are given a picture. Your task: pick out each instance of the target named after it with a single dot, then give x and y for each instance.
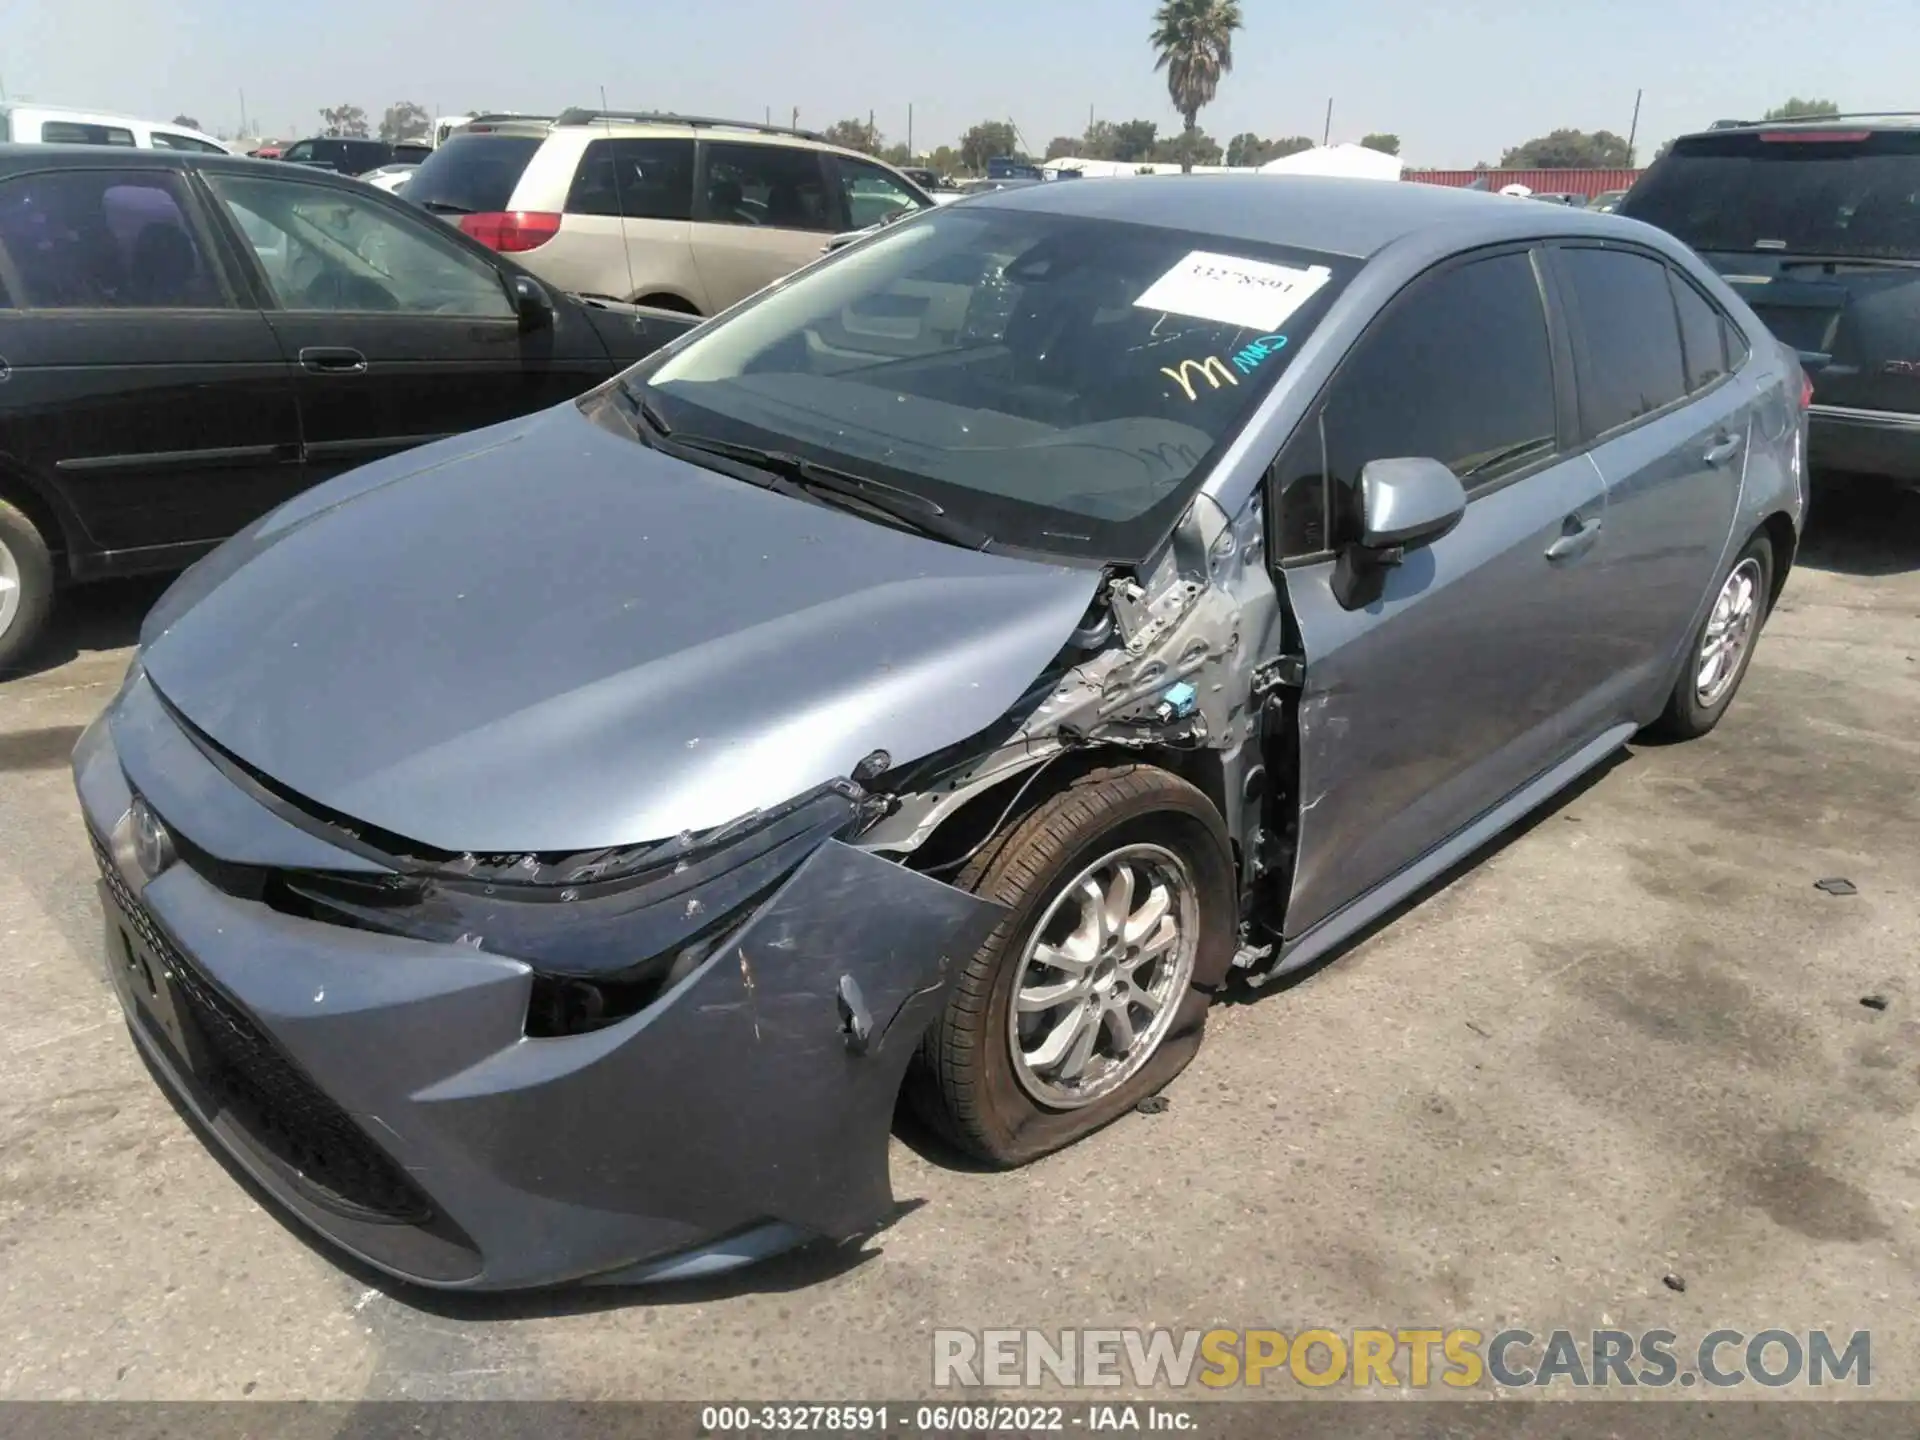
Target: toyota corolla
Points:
(546, 855)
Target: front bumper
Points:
(383, 1089)
(1883, 443)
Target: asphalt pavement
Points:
(1628, 1044)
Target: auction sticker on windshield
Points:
(1231, 291)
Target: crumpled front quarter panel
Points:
(738, 1097)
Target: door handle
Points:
(1722, 450)
(333, 360)
(1577, 538)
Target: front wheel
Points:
(1094, 989)
(26, 585)
(1722, 648)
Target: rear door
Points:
(627, 233)
(143, 387)
(761, 211)
(1465, 679)
(1670, 430)
(1819, 229)
(398, 331)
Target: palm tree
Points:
(1195, 41)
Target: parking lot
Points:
(1629, 1044)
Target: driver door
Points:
(397, 333)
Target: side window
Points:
(1703, 333)
(1627, 357)
(1297, 494)
(641, 179)
(327, 249)
(774, 186)
(871, 195)
(164, 141)
(299, 153)
(68, 132)
(1458, 370)
(105, 240)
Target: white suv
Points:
(710, 210)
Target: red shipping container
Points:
(1557, 182)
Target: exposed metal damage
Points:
(1167, 663)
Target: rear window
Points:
(67, 132)
(1802, 192)
(472, 174)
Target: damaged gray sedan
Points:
(546, 855)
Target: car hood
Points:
(545, 636)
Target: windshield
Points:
(1802, 192)
(1059, 383)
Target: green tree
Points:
(1066, 145)
(1134, 139)
(1188, 149)
(405, 120)
(854, 135)
(988, 140)
(1570, 150)
(1385, 144)
(186, 122)
(897, 155)
(1798, 109)
(348, 120)
(1194, 42)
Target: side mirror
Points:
(1404, 504)
(531, 303)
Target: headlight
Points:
(606, 930)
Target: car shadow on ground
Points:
(91, 618)
(1561, 809)
(1861, 526)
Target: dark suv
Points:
(1817, 224)
(353, 156)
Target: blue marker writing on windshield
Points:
(1261, 350)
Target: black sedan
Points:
(187, 340)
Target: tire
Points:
(26, 585)
(1693, 709)
(968, 1083)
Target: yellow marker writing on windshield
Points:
(1213, 370)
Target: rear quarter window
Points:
(472, 174)
(1837, 192)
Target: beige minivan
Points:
(710, 210)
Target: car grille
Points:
(330, 1158)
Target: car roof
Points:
(1864, 120)
(17, 159)
(1334, 216)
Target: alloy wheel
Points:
(1103, 975)
(1730, 629)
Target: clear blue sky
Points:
(1458, 81)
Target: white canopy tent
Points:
(1354, 161)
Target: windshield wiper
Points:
(442, 207)
(791, 474)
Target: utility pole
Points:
(1633, 130)
(873, 137)
(909, 130)
(1326, 135)
(796, 117)
(244, 132)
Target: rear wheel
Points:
(1722, 647)
(26, 585)
(1094, 989)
